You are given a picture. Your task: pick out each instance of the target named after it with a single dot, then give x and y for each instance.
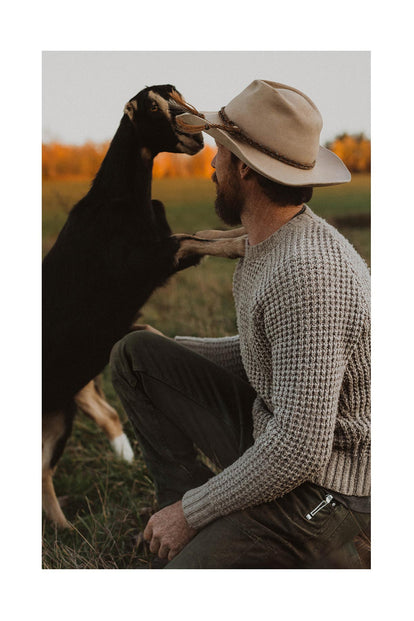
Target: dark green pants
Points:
(178, 400)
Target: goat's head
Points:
(152, 112)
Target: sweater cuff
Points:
(197, 508)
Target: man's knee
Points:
(134, 351)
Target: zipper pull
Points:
(320, 506)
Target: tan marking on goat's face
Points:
(162, 104)
(130, 108)
(177, 97)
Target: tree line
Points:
(61, 161)
(354, 151)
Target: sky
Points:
(83, 93)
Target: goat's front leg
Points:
(227, 234)
(190, 246)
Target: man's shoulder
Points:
(322, 246)
(307, 253)
(313, 258)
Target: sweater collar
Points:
(269, 243)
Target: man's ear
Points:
(244, 170)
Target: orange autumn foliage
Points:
(354, 151)
(68, 162)
(60, 161)
(177, 165)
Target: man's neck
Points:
(263, 219)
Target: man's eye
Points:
(154, 107)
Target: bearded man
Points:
(282, 408)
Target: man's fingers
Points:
(168, 532)
(148, 531)
(171, 554)
(154, 545)
(163, 551)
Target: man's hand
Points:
(145, 326)
(168, 531)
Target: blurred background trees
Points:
(354, 151)
(60, 161)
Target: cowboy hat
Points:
(274, 129)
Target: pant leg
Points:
(277, 535)
(176, 400)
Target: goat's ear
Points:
(130, 108)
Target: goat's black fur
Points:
(114, 250)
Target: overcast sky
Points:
(84, 92)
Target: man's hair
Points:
(284, 195)
(280, 194)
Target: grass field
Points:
(107, 501)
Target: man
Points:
(282, 409)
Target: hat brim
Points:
(328, 170)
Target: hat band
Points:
(232, 127)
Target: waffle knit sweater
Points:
(302, 300)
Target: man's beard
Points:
(229, 201)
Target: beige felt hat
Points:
(275, 130)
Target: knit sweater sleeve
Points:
(306, 326)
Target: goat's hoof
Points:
(122, 448)
(61, 523)
(63, 501)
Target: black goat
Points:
(114, 250)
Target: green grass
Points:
(109, 501)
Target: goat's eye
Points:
(154, 107)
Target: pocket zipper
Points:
(320, 506)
